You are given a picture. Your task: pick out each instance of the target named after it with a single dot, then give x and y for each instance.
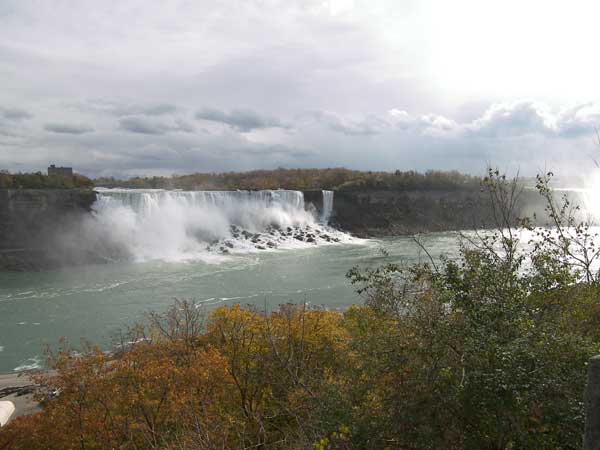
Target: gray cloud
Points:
(140, 125)
(7, 132)
(127, 109)
(14, 114)
(66, 128)
(353, 126)
(394, 120)
(183, 125)
(126, 154)
(11, 122)
(148, 110)
(244, 120)
(389, 140)
(144, 125)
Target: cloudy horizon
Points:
(155, 88)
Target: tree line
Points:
(38, 180)
(302, 179)
(297, 179)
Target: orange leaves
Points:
(105, 402)
(242, 380)
(292, 340)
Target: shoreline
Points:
(24, 404)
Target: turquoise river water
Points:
(95, 302)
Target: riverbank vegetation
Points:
(38, 180)
(488, 351)
(303, 179)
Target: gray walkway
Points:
(24, 404)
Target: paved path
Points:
(24, 404)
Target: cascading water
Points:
(327, 207)
(179, 225)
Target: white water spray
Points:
(180, 225)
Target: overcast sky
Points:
(159, 87)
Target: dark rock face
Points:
(388, 213)
(42, 229)
(30, 222)
(315, 198)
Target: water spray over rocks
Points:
(181, 225)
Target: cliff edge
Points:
(378, 213)
(32, 219)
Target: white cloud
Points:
(515, 119)
(500, 121)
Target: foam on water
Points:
(210, 225)
(29, 364)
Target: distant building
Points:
(54, 171)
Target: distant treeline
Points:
(303, 179)
(40, 181)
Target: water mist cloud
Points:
(178, 226)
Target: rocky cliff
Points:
(384, 213)
(41, 229)
(31, 221)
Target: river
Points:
(95, 302)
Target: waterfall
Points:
(179, 225)
(147, 201)
(327, 206)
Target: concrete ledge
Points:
(6, 410)
(591, 439)
(13, 388)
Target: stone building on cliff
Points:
(54, 171)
